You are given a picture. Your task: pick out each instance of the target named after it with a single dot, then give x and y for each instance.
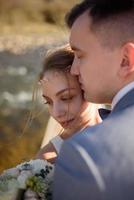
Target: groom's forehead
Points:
(83, 21)
(80, 28)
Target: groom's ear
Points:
(127, 62)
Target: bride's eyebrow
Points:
(64, 90)
(60, 92)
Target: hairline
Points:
(106, 24)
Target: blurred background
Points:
(28, 28)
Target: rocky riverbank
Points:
(20, 62)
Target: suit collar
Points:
(125, 101)
(122, 93)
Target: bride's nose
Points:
(58, 111)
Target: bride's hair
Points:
(58, 59)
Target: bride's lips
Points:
(66, 123)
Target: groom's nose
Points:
(74, 68)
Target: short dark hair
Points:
(76, 11)
(99, 9)
(111, 20)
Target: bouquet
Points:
(31, 179)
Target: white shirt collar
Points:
(122, 93)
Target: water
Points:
(19, 70)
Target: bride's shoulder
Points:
(57, 143)
(50, 151)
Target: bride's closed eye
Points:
(67, 98)
(46, 101)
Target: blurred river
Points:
(20, 63)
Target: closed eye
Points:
(67, 98)
(46, 100)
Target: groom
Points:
(98, 164)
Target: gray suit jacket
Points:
(98, 163)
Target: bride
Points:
(63, 96)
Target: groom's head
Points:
(102, 37)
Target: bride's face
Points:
(61, 92)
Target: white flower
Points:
(23, 177)
(24, 166)
(14, 172)
(12, 184)
(36, 175)
(38, 165)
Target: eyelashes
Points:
(46, 102)
(65, 99)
